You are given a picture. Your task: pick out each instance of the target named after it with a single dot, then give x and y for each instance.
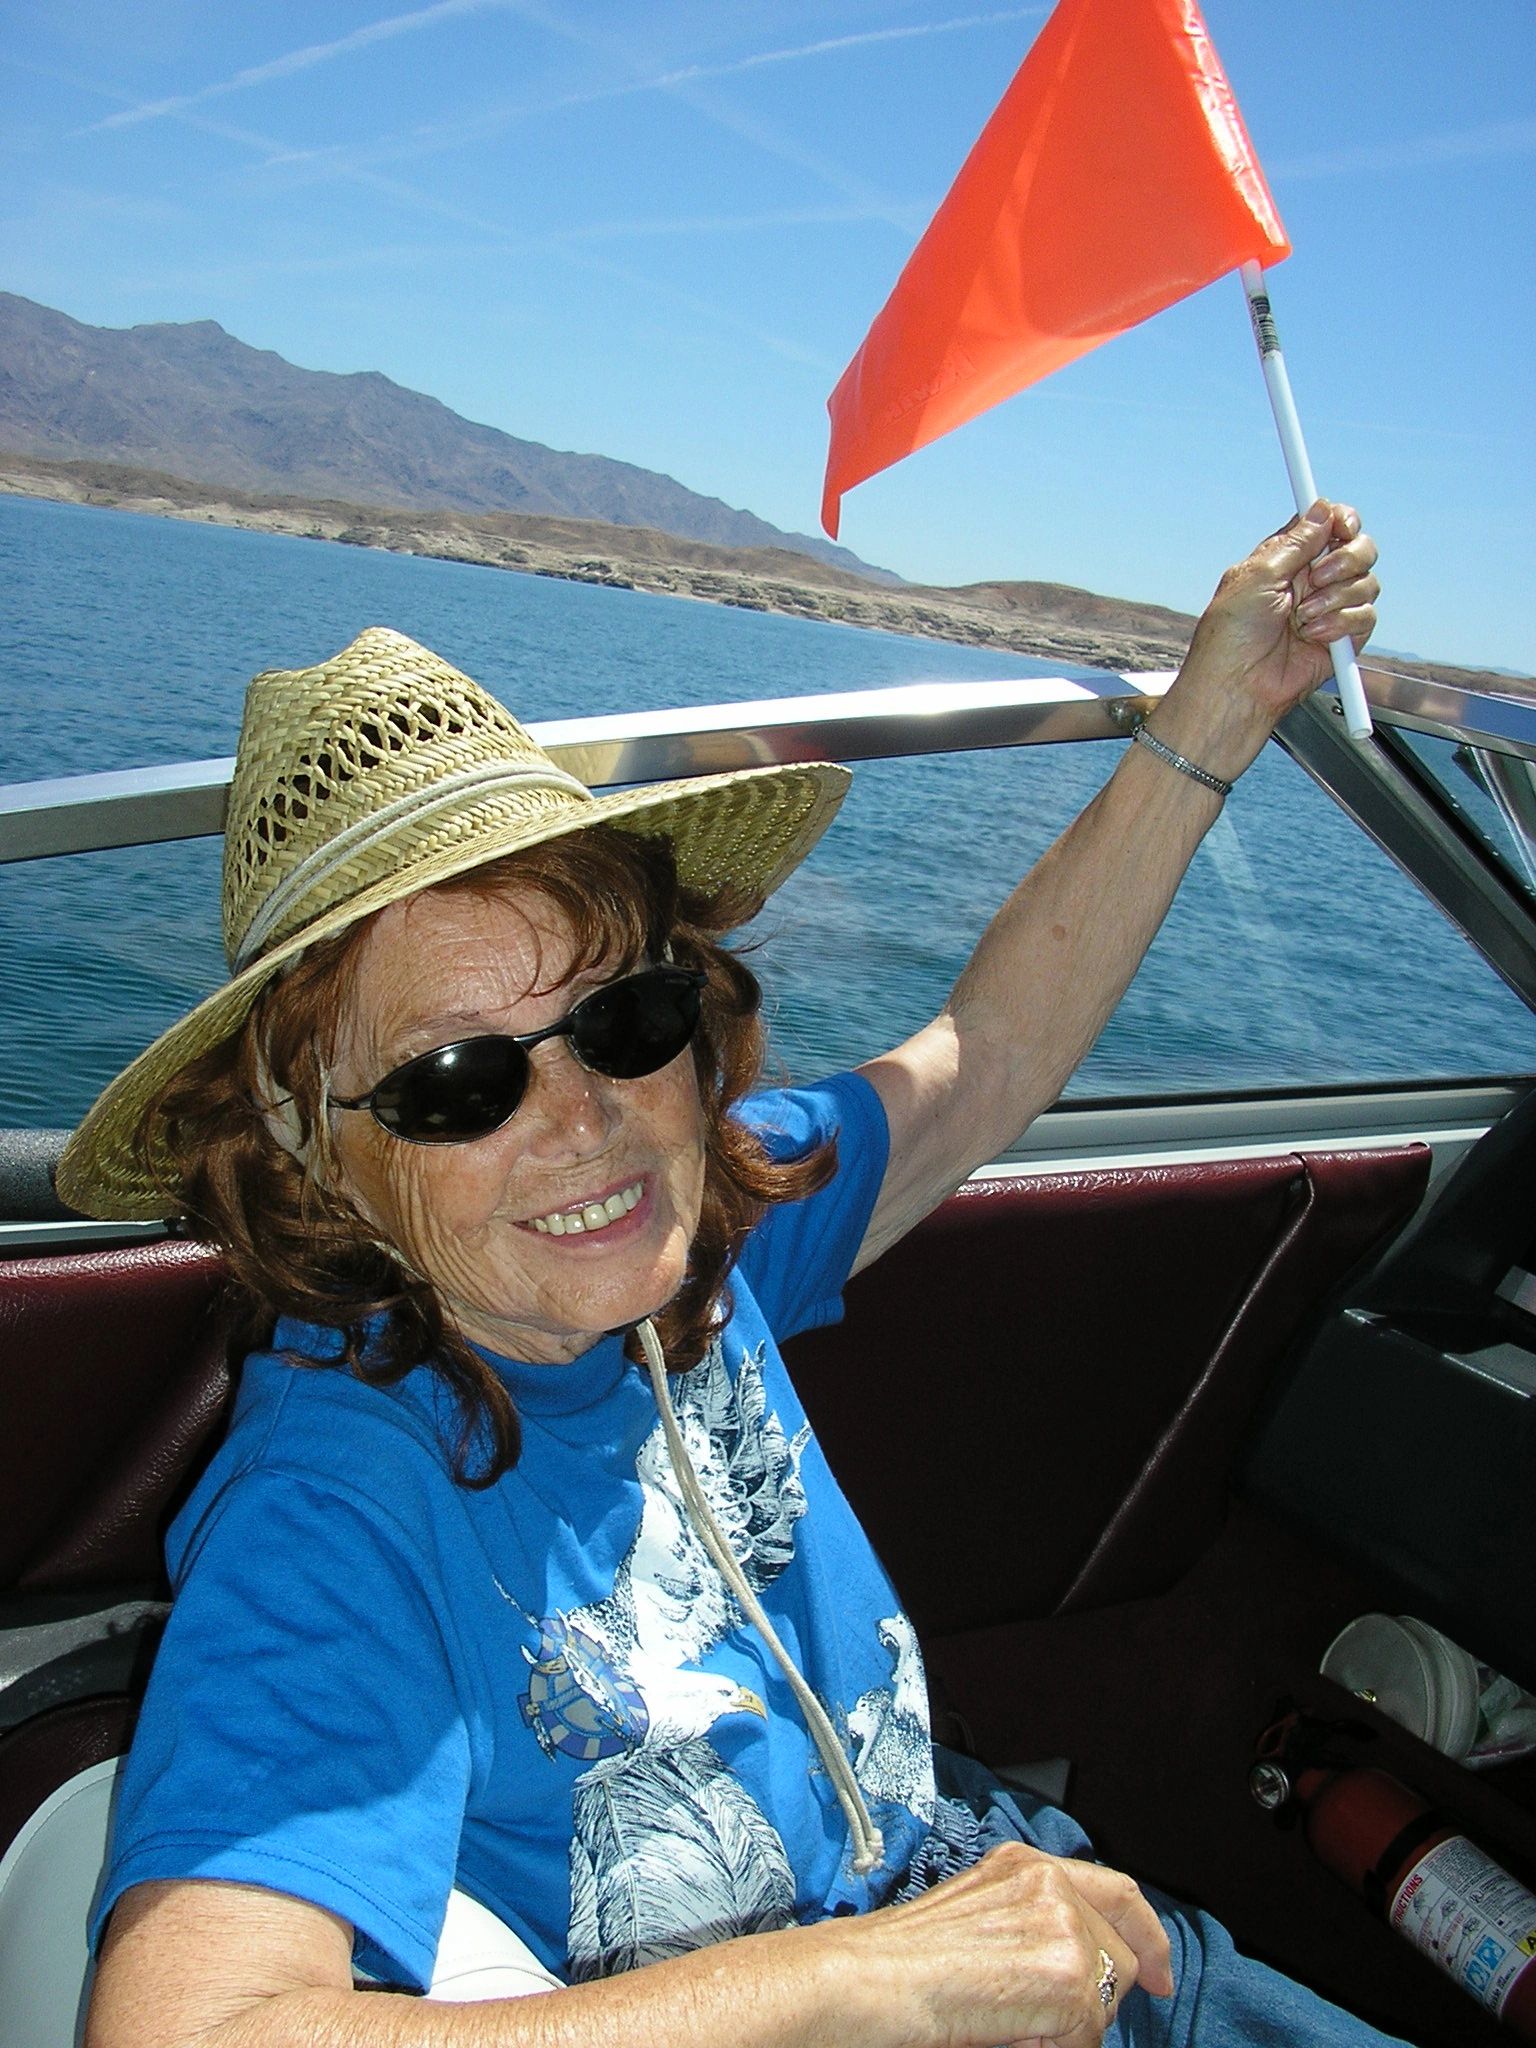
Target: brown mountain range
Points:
(187, 421)
(193, 401)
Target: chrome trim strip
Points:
(1248, 1126)
(1448, 1147)
(1102, 1136)
(17, 1240)
(1383, 791)
(131, 807)
(84, 813)
(1375, 784)
(122, 807)
(1505, 722)
(854, 725)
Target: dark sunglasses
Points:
(468, 1089)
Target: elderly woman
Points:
(519, 1579)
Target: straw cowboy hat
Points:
(378, 773)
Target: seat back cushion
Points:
(1037, 1402)
(114, 1379)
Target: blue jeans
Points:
(1221, 1999)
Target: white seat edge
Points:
(49, 1879)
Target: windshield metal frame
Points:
(1378, 784)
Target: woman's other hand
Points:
(1262, 643)
(1011, 1950)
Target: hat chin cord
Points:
(868, 1843)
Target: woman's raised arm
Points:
(1058, 956)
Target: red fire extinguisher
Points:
(1442, 1893)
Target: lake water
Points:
(1295, 954)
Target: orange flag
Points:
(1115, 177)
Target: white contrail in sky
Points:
(428, 137)
(683, 81)
(496, 233)
(689, 72)
(1414, 153)
(301, 60)
(710, 224)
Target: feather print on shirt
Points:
(669, 1851)
(892, 1743)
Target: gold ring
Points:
(1109, 1979)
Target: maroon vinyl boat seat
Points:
(114, 1382)
(1036, 1404)
(48, 1750)
(1034, 1407)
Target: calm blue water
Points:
(1295, 954)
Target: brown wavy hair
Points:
(295, 1244)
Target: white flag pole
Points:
(1357, 713)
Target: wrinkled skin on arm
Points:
(1058, 956)
(1009, 1951)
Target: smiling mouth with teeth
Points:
(595, 1216)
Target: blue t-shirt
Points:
(376, 1684)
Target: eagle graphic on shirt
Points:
(669, 1851)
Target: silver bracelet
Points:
(1203, 776)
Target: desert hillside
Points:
(1051, 621)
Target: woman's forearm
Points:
(761, 1993)
(1042, 982)
(1058, 956)
(768, 1991)
(1015, 1948)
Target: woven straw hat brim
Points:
(749, 829)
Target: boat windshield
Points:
(1299, 956)
(1493, 795)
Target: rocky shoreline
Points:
(1049, 621)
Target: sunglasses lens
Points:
(458, 1092)
(469, 1089)
(637, 1026)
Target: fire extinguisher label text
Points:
(1477, 1922)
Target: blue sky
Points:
(658, 231)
